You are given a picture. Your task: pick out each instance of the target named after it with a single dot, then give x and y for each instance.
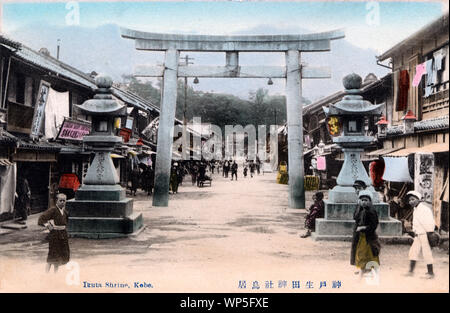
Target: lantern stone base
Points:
(347, 195)
(338, 222)
(105, 227)
(102, 211)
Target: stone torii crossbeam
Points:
(293, 72)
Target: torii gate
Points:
(294, 72)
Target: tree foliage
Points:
(221, 109)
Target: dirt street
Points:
(223, 238)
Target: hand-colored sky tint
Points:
(396, 20)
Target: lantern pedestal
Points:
(338, 222)
(102, 211)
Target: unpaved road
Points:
(211, 239)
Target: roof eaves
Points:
(326, 100)
(35, 58)
(9, 42)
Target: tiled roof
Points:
(7, 138)
(8, 42)
(396, 130)
(337, 96)
(51, 64)
(435, 123)
(429, 124)
(133, 99)
(54, 65)
(41, 145)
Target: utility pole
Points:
(58, 43)
(185, 139)
(275, 112)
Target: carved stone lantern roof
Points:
(103, 102)
(353, 103)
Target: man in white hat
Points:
(423, 222)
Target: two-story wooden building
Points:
(42, 130)
(415, 131)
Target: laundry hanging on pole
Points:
(403, 90)
(396, 169)
(420, 71)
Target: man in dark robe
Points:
(148, 177)
(258, 165)
(134, 180)
(174, 180)
(194, 173)
(234, 170)
(23, 200)
(201, 174)
(56, 220)
(368, 246)
(226, 168)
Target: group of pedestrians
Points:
(366, 247)
(198, 170)
(143, 177)
(253, 166)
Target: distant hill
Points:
(103, 50)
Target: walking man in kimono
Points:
(423, 222)
(56, 220)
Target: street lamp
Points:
(196, 81)
(270, 82)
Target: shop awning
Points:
(435, 148)
(431, 148)
(383, 151)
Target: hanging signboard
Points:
(334, 126)
(39, 109)
(73, 130)
(423, 175)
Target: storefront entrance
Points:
(37, 174)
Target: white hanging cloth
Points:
(7, 187)
(396, 169)
(56, 109)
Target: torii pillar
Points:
(293, 72)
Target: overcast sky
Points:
(370, 27)
(376, 25)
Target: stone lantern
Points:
(100, 208)
(346, 120)
(382, 125)
(408, 122)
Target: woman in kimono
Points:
(365, 239)
(56, 220)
